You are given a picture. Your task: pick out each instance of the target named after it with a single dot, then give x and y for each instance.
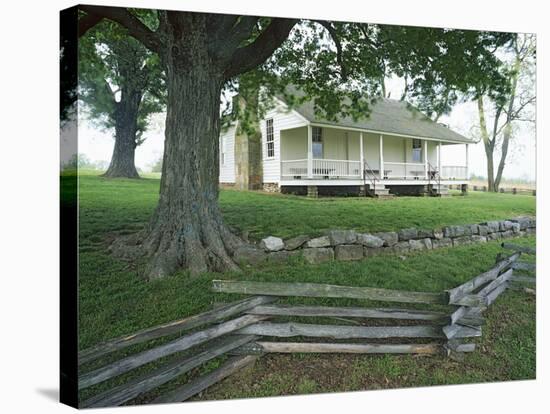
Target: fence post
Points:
(514, 190)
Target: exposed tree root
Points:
(169, 248)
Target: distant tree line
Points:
(82, 162)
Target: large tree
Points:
(332, 62)
(121, 83)
(507, 107)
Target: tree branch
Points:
(525, 120)
(241, 30)
(405, 88)
(250, 56)
(86, 22)
(483, 122)
(499, 130)
(338, 44)
(225, 22)
(135, 27)
(229, 33)
(517, 112)
(496, 130)
(161, 15)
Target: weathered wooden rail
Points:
(316, 290)
(262, 347)
(524, 268)
(169, 328)
(125, 392)
(246, 329)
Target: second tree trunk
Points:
(122, 163)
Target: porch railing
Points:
(405, 170)
(350, 169)
(337, 168)
(454, 172)
(294, 169)
(321, 168)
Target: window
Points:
(269, 138)
(222, 150)
(417, 150)
(317, 142)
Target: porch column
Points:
(425, 148)
(439, 158)
(309, 152)
(381, 156)
(467, 175)
(361, 156)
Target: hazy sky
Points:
(98, 145)
(521, 160)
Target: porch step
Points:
(379, 190)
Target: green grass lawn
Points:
(114, 300)
(124, 204)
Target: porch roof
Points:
(389, 116)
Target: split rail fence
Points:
(247, 329)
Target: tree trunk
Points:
(490, 169)
(187, 229)
(507, 134)
(494, 180)
(488, 144)
(122, 163)
(199, 52)
(504, 153)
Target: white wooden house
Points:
(395, 150)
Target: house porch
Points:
(316, 155)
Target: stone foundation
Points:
(408, 190)
(325, 190)
(300, 190)
(271, 188)
(312, 191)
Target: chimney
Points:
(248, 150)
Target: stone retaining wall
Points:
(352, 245)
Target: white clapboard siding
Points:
(282, 119)
(227, 144)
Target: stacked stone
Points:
(351, 245)
(271, 187)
